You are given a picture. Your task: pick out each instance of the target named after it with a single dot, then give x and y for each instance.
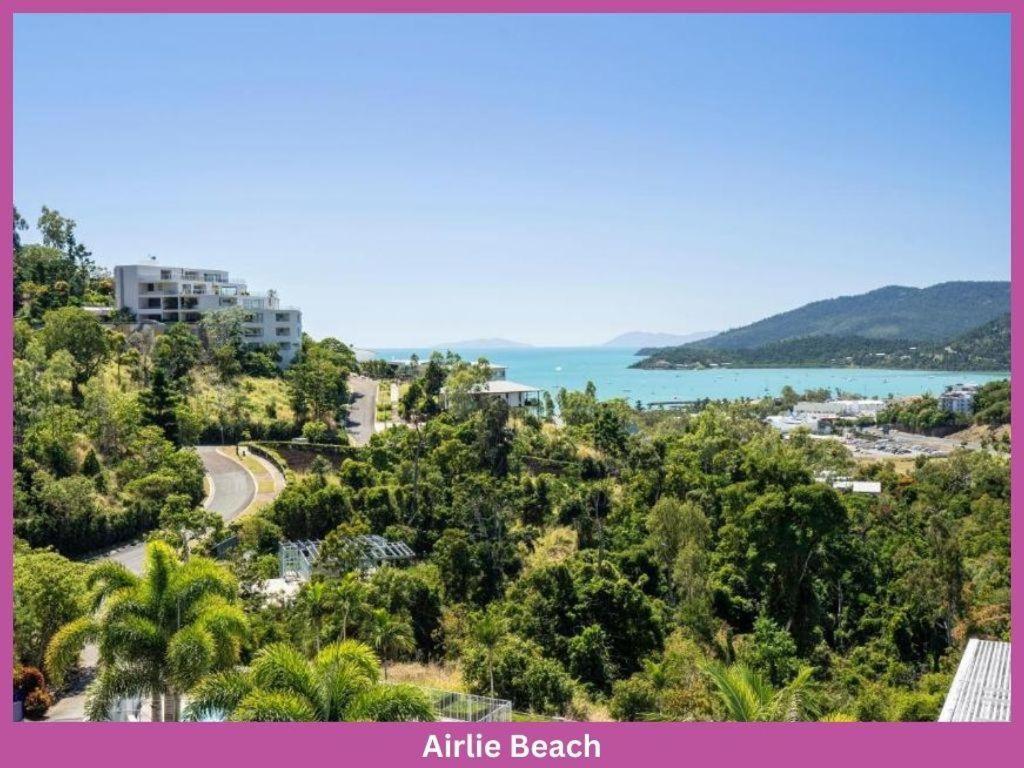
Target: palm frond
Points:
(191, 653)
(273, 707)
(392, 703)
(217, 695)
(199, 578)
(279, 667)
(133, 638)
(352, 653)
(66, 646)
(733, 685)
(114, 683)
(106, 577)
(227, 625)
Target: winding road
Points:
(231, 490)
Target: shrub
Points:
(314, 431)
(633, 699)
(36, 703)
(30, 679)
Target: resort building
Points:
(980, 691)
(958, 398)
(159, 294)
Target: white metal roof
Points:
(504, 387)
(981, 687)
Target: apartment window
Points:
(281, 317)
(165, 274)
(225, 302)
(283, 331)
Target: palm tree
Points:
(748, 697)
(388, 636)
(342, 683)
(487, 631)
(349, 597)
(158, 633)
(314, 601)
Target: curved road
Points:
(231, 490)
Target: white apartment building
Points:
(959, 398)
(155, 293)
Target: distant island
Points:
(486, 343)
(950, 326)
(640, 339)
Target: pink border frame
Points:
(636, 744)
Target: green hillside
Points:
(986, 347)
(934, 314)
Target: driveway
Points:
(231, 490)
(363, 409)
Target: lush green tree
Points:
(177, 352)
(49, 592)
(79, 334)
(318, 379)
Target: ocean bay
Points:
(552, 368)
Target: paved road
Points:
(363, 410)
(232, 488)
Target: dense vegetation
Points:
(933, 314)
(600, 568)
(985, 348)
(104, 415)
(610, 563)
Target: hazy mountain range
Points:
(640, 339)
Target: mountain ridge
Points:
(930, 314)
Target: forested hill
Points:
(932, 314)
(985, 348)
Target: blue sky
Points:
(556, 180)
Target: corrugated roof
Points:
(981, 687)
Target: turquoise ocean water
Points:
(551, 368)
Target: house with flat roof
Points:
(156, 293)
(514, 394)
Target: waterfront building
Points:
(958, 398)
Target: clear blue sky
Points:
(556, 180)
